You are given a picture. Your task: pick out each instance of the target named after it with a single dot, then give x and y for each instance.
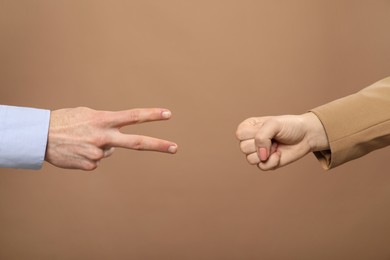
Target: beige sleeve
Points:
(356, 124)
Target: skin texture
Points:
(275, 141)
(80, 137)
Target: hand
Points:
(275, 141)
(80, 137)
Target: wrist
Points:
(315, 132)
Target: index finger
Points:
(249, 128)
(135, 116)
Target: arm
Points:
(356, 124)
(336, 132)
(75, 138)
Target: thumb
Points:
(264, 139)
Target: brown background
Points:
(213, 63)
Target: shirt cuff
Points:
(23, 137)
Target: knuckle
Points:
(252, 159)
(261, 139)
(271, 165)
(95, 154)
(248, 146)
(253, 121)
(239, 133)
(252, 162)
(242, 126)
(262, 167)
(243, 133)
(90, 116)
(89, 166)
(134, 116)
(89, 112)
(265, 167)
(138, 144)
(242, 146)
(99, 140)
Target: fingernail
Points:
(263, 154)
(172, 149)
(166, 114)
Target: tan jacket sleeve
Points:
(356, 124)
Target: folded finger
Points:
(271, 164)
(248, 146)
(253, 158)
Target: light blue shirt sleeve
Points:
(23, 137)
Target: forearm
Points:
(355, 125)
